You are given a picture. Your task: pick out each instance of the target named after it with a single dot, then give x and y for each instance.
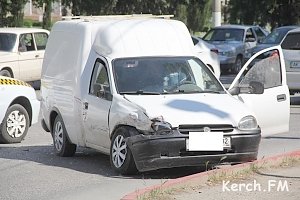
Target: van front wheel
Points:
(62, 146)
(121, 157)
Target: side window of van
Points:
(99, 85)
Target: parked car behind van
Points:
(234, 44)
(135, 89)
(274, 38)
(22, 52)
(291, 51)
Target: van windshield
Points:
(164, 75)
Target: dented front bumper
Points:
(152, 152)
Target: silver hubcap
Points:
(16, 124)
(119, 151)
(58, 136)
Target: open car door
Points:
(261, 85)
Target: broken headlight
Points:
(161, 127)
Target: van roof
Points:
(133, 37)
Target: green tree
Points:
(273, 12)
(47, 4)
(4, 8)
(198, 15)
(16, 9)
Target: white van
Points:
(135, 89)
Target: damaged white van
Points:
(135, 89)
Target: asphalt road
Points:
(30, 170)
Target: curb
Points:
(173, 182)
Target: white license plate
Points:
(295, 64)
(207, 141)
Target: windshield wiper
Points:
(141, 92)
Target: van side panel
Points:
(61, 74)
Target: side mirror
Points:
(234, 91)
(256, 87)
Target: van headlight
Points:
(248, 123)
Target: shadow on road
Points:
(86, 161)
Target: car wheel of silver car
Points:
(238, 64)
(5, 73)
(15, 124)
(62, 145)
(121, 157)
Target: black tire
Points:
(15, 124)
(62, 146)
(122, 160)
(6, 73)
(238, 64)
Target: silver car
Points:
(274, 38)
(291, 52)
(234, 43)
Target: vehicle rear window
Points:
(291, 42)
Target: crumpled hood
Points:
(7, 56)
(192, 108)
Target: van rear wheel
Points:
(62, 145)
(121, 158)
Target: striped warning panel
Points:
(13, 82)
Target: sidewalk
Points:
(276, 177)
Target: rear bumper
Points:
(35, 105)
(154, 152)
(293, 82)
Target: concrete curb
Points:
(134, 195)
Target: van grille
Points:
(185, 129)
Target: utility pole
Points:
(216, 12)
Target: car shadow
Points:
(86, 161)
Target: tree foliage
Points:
(12, 12)
(273, 12)
(195, 13)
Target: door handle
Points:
(281, 97)
(37, 56)
(85, 105)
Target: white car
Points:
(291, 51)
(22, 52)
(208, 53)
(135, 89)
(19, 109)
